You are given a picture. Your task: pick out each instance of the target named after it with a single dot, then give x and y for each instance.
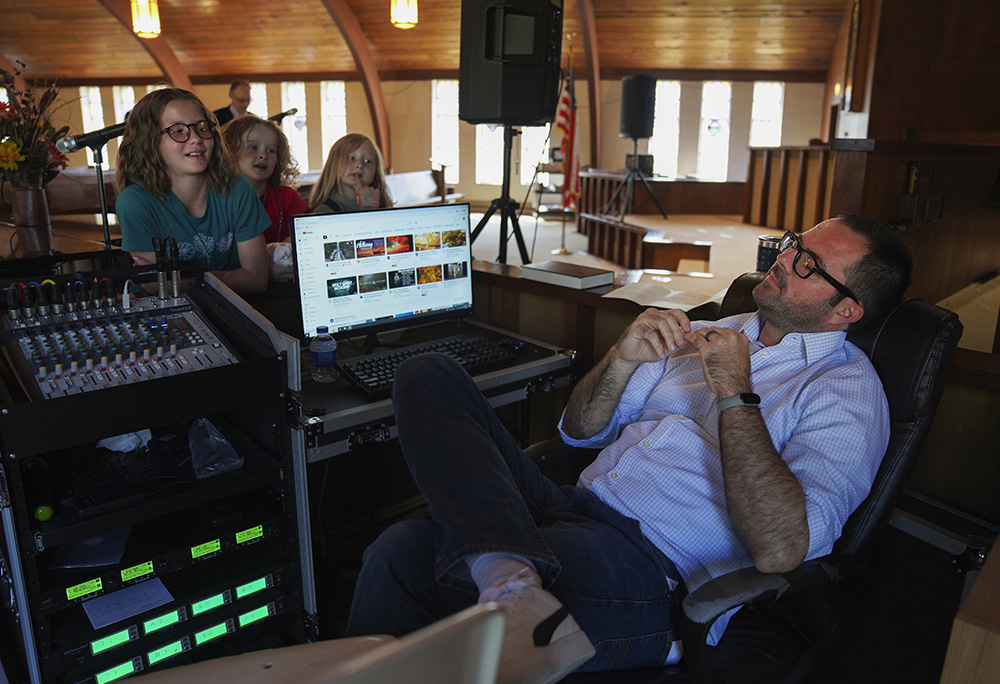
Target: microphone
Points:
(73, 143)
(276, 118)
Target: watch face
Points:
(745, 399)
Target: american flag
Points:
(566, 124)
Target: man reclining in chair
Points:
(744, 442)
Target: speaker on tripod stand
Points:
(509, 75)
(638, 110)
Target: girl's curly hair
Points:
(139, 159)
(235, 135)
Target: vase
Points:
(31, 218)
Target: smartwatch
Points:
(745, 399)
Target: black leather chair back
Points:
(911, 347)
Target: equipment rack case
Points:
(214, 565)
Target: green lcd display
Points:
(137, 571)
(110, 641)
(160, 622)
(117, 672)
(253, 616)
(208, 604)
(165, 652)
(251, 587)
(210, 633)
(205, 549)
(249, 535)
(83, 589)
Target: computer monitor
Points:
(366, 272)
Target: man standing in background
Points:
(239, 93)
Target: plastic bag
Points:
(211, 454)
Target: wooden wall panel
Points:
(951, 251)
(789, 189)
(936, 69)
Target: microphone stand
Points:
(99, 165)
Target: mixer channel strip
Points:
(87, 350)
(373, 374)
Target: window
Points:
(713, 137)
(293, 95)
(444, 127)
(765, 119)
(93, 112)
(664, 144)
(333, 105)
(489, 154)
(124, 101)
(534, 151)
(258, 100)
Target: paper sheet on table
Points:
(125, 603)
(659, 294)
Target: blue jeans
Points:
(485, 495)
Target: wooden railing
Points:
(788, 188)
(674, 196)
(633, 246)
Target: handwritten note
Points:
(125, 603)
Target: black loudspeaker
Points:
(638, 106)
(509, 61)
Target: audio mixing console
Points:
(60, 350)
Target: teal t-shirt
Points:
(211, 239)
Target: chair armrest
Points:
(749, 586)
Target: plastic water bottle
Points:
(323, 356)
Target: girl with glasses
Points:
(176, 180)
(261, 150)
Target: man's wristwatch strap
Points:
(745, 399)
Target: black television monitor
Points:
(366, 272)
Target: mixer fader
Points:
(101, 343)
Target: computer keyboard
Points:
(372, 374)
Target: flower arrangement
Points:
(28, 153)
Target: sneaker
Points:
(542, 642)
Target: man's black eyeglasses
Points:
(181, 132)
(805, 264)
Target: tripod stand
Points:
(627, 185)
(507, 206)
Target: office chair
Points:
(790, 622)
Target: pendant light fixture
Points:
(403, 13)
(146, 18)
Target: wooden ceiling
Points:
(213, 41)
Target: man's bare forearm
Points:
(651, 337)
(594, 399)
(765, 500)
